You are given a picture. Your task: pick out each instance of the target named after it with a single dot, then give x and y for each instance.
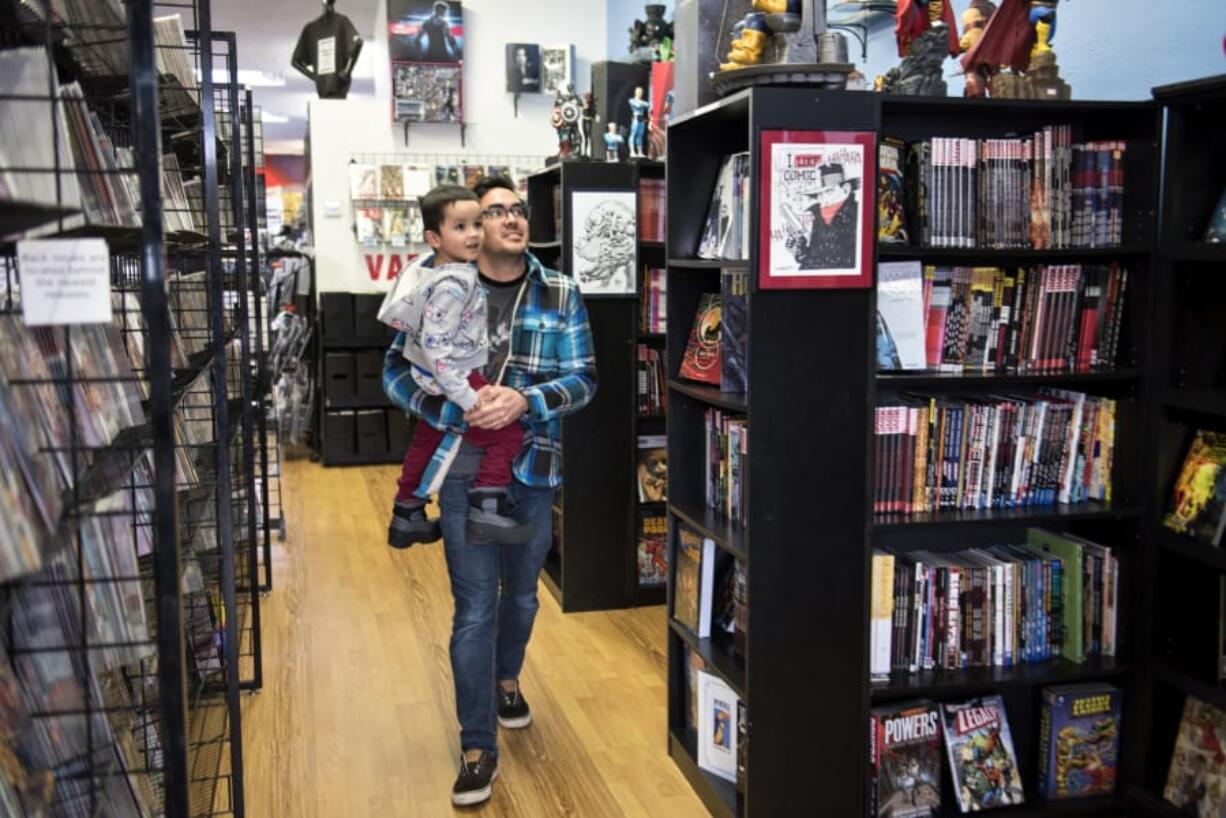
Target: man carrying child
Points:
(539, 365)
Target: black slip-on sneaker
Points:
(476, 780)
(513, 711)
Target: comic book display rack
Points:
(135, 499)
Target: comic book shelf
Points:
(593, 564)
(141, 611)
(811, 529)
(1189, 394)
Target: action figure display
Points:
(749, 37)
(564, 118)
(926, 34)
(651, 39)
(613, 141)
(638, 123)
(1019, 36)
(327, 51)
(588, 120)
(974, 20)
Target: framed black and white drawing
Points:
(604, 241)
(557, 67)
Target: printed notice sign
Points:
(326, 48)
(64, 281)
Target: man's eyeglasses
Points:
(499, 213)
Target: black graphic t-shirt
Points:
(326, 43)
(500, 302)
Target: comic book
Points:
(1198, 502)
(652, 549)
(1197, 776)
(652, 472)
(905, 761)
(686, 578)
(701, 361)
(391, 182)
(891, 215)
(1079, 738)
(363, 181)
(981, 757)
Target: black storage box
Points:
(368, 366)
(372, 433)
(366, 316)
(337, 312)
(340, 439)
(340, 383)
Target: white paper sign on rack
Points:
(64, 281)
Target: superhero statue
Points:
(974, 19)
(749, 37)
(1019, 36)
(914, 17)
(926, 35)
(565, 117)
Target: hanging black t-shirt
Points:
(327, 43)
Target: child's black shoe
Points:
(409, 525)
(490, 520)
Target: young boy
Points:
(441, 310)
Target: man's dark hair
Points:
(485, 184)
(436, 202)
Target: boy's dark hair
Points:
(436, 202)
(485, 184)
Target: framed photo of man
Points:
(817, 205)
(523, 68)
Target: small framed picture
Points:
(816, 211)
(523, 68)
(604, 241)
(557, 67)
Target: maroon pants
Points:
(500, 445)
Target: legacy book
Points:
(981, 756)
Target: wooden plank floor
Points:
(357, 717)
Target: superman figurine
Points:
(914, 17)
(1018, 29)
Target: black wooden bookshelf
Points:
(810, 467)
(1189, 374)
(594, 563)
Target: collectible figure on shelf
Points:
(974, 20)
(748, 39)
(926, 34)
(788, 42)
(1019, 36)
(588, 119)
(638, 123)
(651, 39)
(564, 118)
(613, 141)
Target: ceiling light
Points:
(273, 119)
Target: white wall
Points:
(341, 128)
(338, 129)
(488, 109)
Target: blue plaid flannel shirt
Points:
(552, 364)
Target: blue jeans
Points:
(490, 631)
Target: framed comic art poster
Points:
(816, 209)
(604, 241)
